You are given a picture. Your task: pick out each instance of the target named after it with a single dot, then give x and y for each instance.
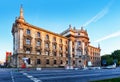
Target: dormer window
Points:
(28, 31)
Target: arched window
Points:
(28, 32)
(54, 39)
(54, 46)
(79, 42)
(60, 40)
(47, 37)
(38, 34)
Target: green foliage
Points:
(116, 55)
(108, 58)
(111, 58)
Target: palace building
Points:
(43, 48)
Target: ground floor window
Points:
(47, 61)
(61, 62)
(38, 61)
(29, 61)
(55, 62)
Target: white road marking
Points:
(12, 77)
(31, 77)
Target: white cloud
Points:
(98, 16)
(108, 37)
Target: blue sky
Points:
(101, 18)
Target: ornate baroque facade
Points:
(47, 49)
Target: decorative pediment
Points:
(47, 49)
(38, 39)
(38, 48)
(47, 41)
(28, 36)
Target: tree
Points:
(116, 56)
(109, 59)
(106, 60)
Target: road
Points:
(12, 75)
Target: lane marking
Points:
(12, 77)
(31, 77)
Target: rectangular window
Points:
(61, 55)
(79, 42)
(47, 53)
(38, 34)
(47, 61)
(54, 46)
(47, 45)
(55, 62)
(61, 62)
(60, 40)
(38, 43)
(54, 53)
(38, 61)
(28, 41)
(73, 61)
(60, 47)
(66, 62)
(29, 61)
(28, 50)
(38, 52)
(54, 39)
(28, 32)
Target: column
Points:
(76, 55)
(42, 44)
(83, 47)
(21, 40)
(69, 53)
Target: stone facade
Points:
(43, 48)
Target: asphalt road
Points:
(12, 75)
